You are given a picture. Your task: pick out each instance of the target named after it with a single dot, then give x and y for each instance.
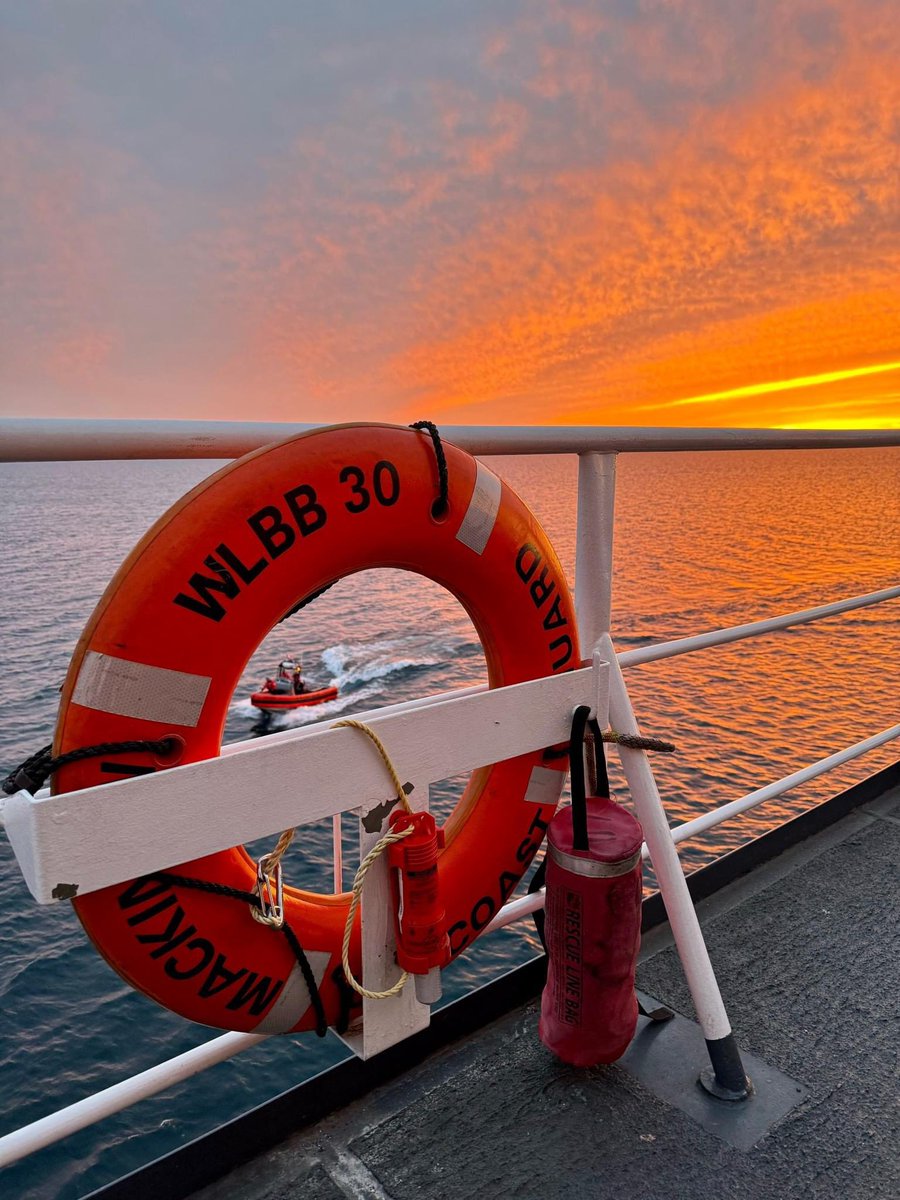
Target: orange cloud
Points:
(754, 241)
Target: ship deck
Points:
(806, 945)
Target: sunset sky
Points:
(649, 212)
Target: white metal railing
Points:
(47, 1130)
(45, 441)
(737, 633)
(58, 1125)
(25, 439)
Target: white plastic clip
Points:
(600, 681)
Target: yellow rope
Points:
(385, 757)
(270, 861)
(377, 849)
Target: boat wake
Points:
(354, 664)
(368, 673)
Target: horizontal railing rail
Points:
(738, 633)
(37, 440)
(105, 1103)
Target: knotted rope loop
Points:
(349, 723)
(269, 906)
(631, 741)
(270, 895)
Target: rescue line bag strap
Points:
(580, 723)
(576, 778)
(581, 720)
(601, 775)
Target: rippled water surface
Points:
(701, 541)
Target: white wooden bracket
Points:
(383, 1022)
(153, 822)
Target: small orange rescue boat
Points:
(288, 690)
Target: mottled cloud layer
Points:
(617, 212)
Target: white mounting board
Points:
(99, 836)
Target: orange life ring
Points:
(170, 638)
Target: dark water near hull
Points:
(702, 541)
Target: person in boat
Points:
(287, 679)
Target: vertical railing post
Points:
(337, 849)
(593, 604)
(594, 546)
(727, 1079)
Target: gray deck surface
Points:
(807, 951)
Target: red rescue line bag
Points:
(593, 918)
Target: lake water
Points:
(701, 541)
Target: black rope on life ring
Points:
(221, 889)
(34, 772)
(442, 504)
